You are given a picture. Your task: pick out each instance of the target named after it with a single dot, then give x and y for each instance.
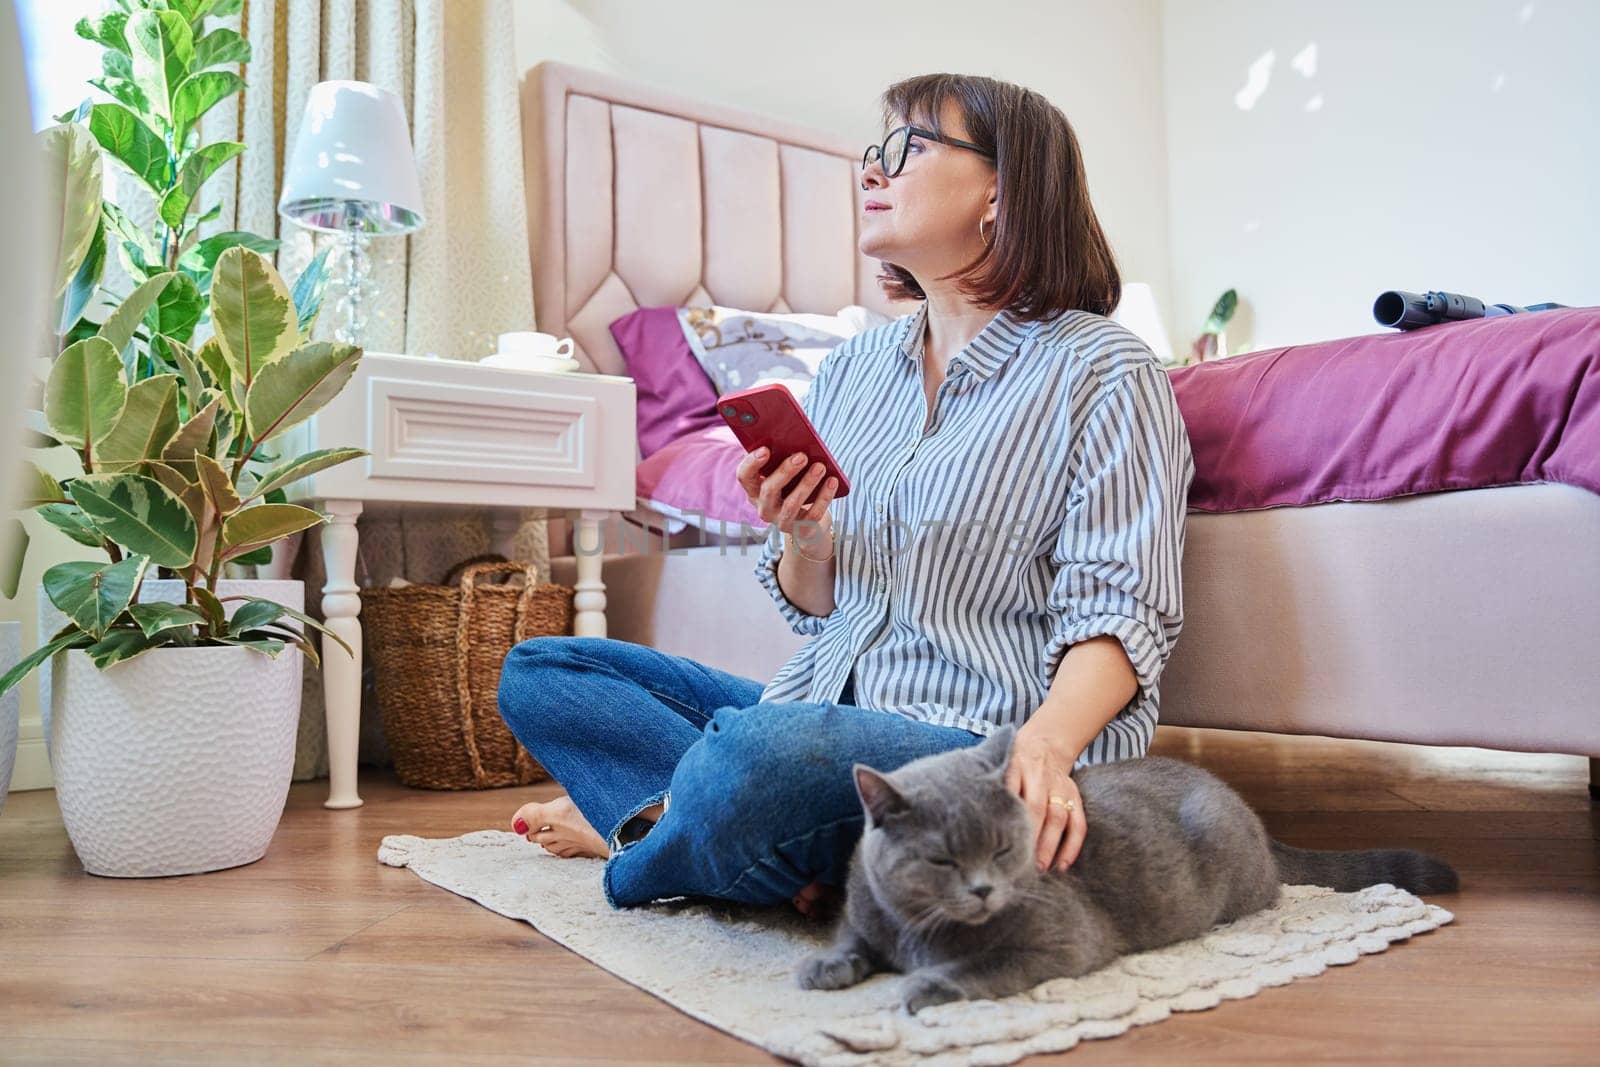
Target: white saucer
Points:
(519, 361)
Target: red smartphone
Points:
(769, 415)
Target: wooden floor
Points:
(318, 954)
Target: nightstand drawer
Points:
(450, 432)
(427, 430)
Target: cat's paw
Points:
(924, 990)
(832, 970)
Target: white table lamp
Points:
(1138, 312)
(353, 172)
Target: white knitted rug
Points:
(733, 967)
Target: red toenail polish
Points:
(520, 826)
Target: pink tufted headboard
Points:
(638, 197)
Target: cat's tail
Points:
(1415, 872)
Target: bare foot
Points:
(817, 901)
(560, 828)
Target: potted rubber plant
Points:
(173, 725)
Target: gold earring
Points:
(981, 237)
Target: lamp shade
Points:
(352, 167)
(1138, 312)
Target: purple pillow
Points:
(675, 397)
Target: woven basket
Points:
(437, 651)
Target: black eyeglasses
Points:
(895, 147)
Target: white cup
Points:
(530, 343)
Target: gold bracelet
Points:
(809, 559)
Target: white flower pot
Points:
(10, 705)
(176, 761)
(289, 593)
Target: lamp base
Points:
(359, 291)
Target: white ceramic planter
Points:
(174, 762)
(289, 593)
(10, 705)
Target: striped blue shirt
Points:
(1044, 505)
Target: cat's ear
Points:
(995, 751)
(878, 796)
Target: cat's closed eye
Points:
(941, 861)
(1002, 852)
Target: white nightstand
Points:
(456, 434)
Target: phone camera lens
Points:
(729, 410)
(747, 417)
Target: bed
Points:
(1466, 617)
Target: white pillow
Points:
(739, 349)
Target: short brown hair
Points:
(1048, 253)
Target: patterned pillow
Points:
(739, 349)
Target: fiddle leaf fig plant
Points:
(165, 474)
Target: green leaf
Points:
(140, 514)
(71, 521)
(216, 614)
(258, 558)
(120, 645)
(124, 89)
(201, 164)
(107, 30)
(308, 290)
(39, 488)
(200, 260)
(198, 94)
(177, 309)
(293, 470)
(162, 46)
(1221, 312)
(149, 419)
(191, 437)
(193, 496)
(12, 554)
(302, 617)
(269, 647)
(192, 10)
(211, 357)
(293, 389)
(94, 594)
(253, 613)
(130, 232)
(261, 524)
(73, 195)
(132, 143)
(69, 637)
(85, 393)
(253, 313)
(72, 303)
(196, 379)
(119, 65)
(218, 485)
(121, 323)
(298, 640)
(219, 47)
(154, 618)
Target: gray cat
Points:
(943, 885)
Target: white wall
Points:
(1447, 144)
(826, 62)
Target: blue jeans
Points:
(759, 798)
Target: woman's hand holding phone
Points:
(785, 506)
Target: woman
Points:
(1009, 551)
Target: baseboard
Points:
(33, 759)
